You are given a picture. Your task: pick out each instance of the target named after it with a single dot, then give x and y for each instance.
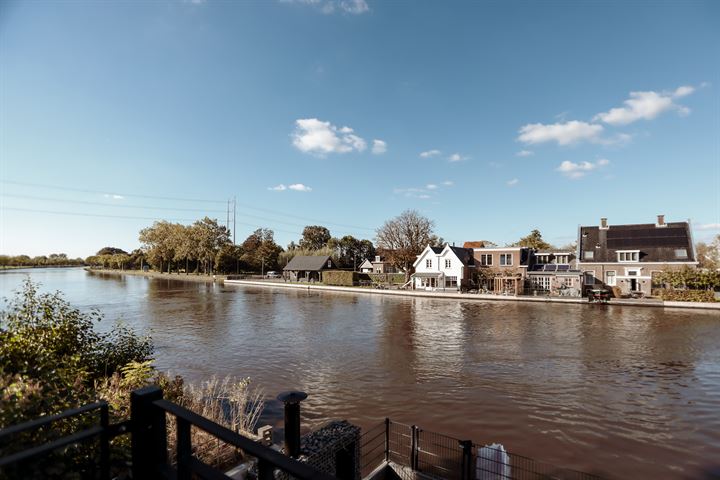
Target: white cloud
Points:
(278, 188)
(456, 157)
(352, 7)
(114, 196)
(524, 153)
(563, 133)
(448, 183)
(578, 170)
(513, 182)
(299, 187)
(430, 153)
(646, 106)
(707, 226)
(431, 186)
(379, 147)
(315, 136)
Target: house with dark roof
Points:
(443, 268)
(308, 268)
(626, 257)
(502, 270)
(554, 273)
(378, 265)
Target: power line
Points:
(251, 207)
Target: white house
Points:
(443, 268)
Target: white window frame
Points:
(428, 263)
(486, 259)
(451, 281)
(508, 258)
(541, 282)
(562, 259)
(588, 255)
(608, 277)
(543, 258)
(448, 263)
(628, 256)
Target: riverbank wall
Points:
(474, 296)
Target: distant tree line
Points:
(52, 260)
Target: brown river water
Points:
(626, 392)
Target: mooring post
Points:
(414, 437)
(387, 439)
(148, 439)
(292, 401)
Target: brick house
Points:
(624, 258)
(554, 273)
(502, 269)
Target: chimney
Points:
(661, 221)
(603, 224)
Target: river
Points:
(626, 392)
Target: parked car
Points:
(273, 274)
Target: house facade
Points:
(443, 268)
(366, 267)
(554, 274)
(308, 268)
(624, 258)
(502, 269)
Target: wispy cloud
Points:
(430, 153)
(524, 153)
(707, 226)
(513, 182)
(448, 183)
(321, 138)
(566, 133)
(298, 187)
(351, 7)
(423, 193)
(114, 196)
(431, 186)
(456, 157)
(579, 170)
(646, 106)
(379, 147)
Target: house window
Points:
(681, 253)
(567, 282)
(377, 259)
(589, 278)
(377, 270)
(632, 273)
(628, 256)
(589, 255)
(610, 279)
(451, 281)
(486, 259)
(541, 283)
(447, 263)
(542, 258)
(428, 263)
(506, 259)
(329, 264)
(562, 258)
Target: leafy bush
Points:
(393, 278)
(687, 295)
(340, 277)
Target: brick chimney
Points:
(603, 224)
(661, 221)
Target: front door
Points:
(634, 285)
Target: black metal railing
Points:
(415, 450)
(149, 444)
(15, 454)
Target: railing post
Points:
(414, 447)
(105, 443)
(387, 439)
(467, 463)
(292, 401)
(149, 441)
(265, 470)
(184, 450)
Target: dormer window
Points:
(542, 258)
(628, 255)
(377, 258)
(562, 258)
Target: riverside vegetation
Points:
(52, 359)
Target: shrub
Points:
(340, 277)
(687, 295)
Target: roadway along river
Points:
(623, 391)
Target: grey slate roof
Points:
(465, 255)
(308, 263)
(656, 244)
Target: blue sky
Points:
(491, 118)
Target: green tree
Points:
(315, 237)
(533, 240)
(708, 254)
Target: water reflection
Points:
(629, 392)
